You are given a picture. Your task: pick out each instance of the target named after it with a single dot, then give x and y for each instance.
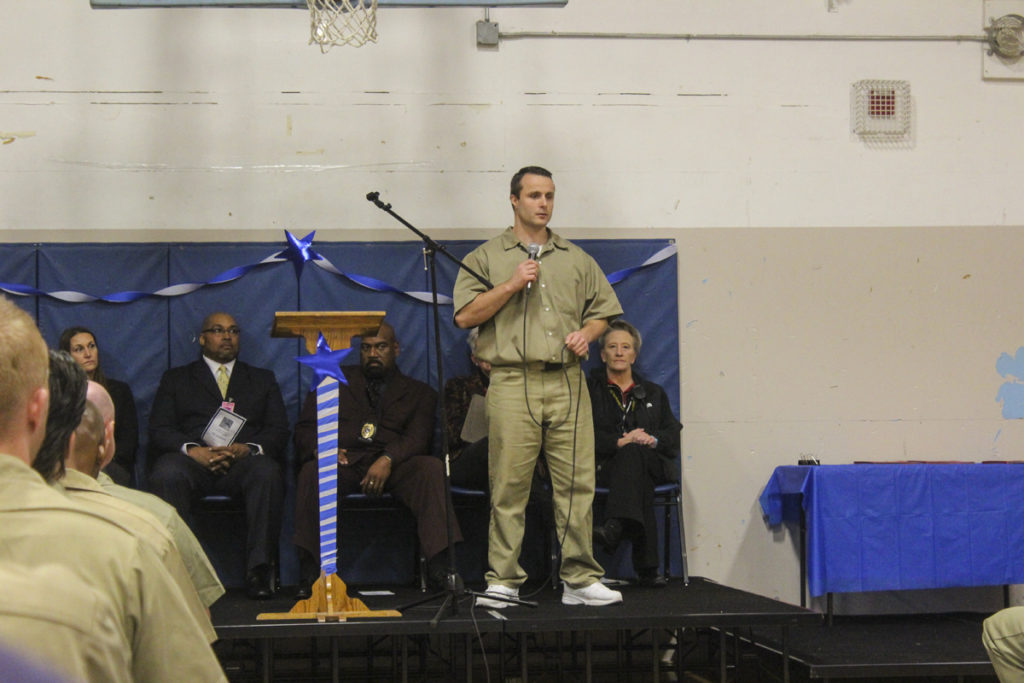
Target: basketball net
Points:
(342, 22)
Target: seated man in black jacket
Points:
(192, 463)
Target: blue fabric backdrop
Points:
(139, 340)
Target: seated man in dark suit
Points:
(385, 427)
(248, 468)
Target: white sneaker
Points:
(594, 595)
(500, 591)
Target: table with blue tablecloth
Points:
(873, 527)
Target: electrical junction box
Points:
(487, 33)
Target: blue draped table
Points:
(904, 526)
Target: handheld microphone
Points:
(534, 251)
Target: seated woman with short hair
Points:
(636, 445)
(80, 342)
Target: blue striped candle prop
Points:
(327, 471)
(327, 377)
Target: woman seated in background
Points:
(80, 342)
(636, 442)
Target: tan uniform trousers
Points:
(516, 412)
(1003, 636)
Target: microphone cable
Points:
(572, 480)
(534, 251)
(544, 427)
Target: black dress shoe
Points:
(437, 572)
(259, 582)
(437, 581)
(651, 579)
(304, 591)
(309, 572)
(608, 535)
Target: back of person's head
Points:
(100, 397)
(23, 360)
(68, 385)
(85, 455)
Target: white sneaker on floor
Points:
(499, 591)
(594, 595)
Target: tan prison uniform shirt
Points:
(39, 526)
(54, 618)
(87, 492)
(204, 577)
(556, 305)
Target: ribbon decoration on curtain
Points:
(659, 256)
(327, 377)
(298, 252)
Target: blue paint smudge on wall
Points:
(1011, 393)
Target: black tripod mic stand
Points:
(454, 587)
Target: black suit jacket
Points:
(653, 414)
(188, 397)
(126, 424)
(405, 426)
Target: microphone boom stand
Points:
(454, 588)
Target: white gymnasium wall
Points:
(837, 298)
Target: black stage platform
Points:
(656, 634)
(932, 647)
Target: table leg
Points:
(655, 654)
(723, 666)
(405, 659)
(335, 664)
(803, 559)
(785, 654)
(267, 650)
(523, 672)
(587, 661)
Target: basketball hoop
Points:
(342, 22)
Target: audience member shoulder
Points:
(53, 616)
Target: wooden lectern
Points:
(330, 600)
(338, 327)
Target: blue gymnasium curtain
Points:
(18, 265)
(139, 340)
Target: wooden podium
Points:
(338, 327)
(330, 600)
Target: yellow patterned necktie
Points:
(222, 381)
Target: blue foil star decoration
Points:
(325, 363)
(299, 251)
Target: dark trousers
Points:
(417, 483)
(254, 480)
(469, 470)
(630, 477)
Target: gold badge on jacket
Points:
(368, 431)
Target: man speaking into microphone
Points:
(551, 303)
